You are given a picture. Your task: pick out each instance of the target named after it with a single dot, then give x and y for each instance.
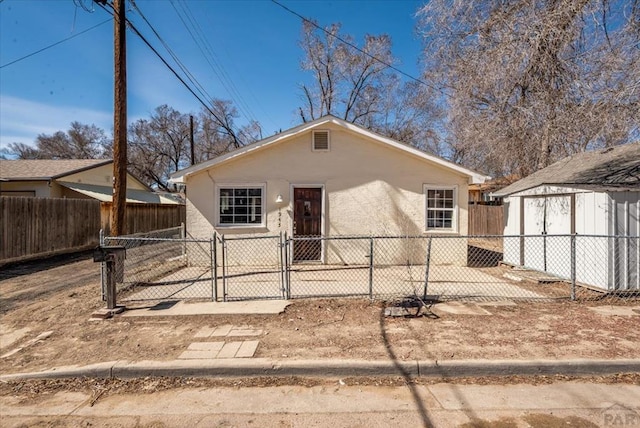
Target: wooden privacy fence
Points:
(145, 217)
(33, 228)
(486, 219)
(40, 227)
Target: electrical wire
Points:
(351, 45)
(54, 44)
(166, 63)
(208, 53)
(184, 69)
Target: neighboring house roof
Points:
(46, 169)
(103, 194)
(610, 169)
(180, 176)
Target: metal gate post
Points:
(102, 275)
(183, 236)
(287, 271)
(224, 270)
(214, 267)
(426, 272)
(573, 266)
(281, 266)
(371, 267)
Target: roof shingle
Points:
(613, 168)
(45, 169)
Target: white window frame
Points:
(263, 213)
(313, 140)
(454, 210)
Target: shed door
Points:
(534, 228)
(307, 222)
(558, 248)
(544, 218)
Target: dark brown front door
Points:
(307, 222)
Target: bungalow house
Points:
(595, 195)
(72, 178)
(327, 178)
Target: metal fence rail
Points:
(168, 265)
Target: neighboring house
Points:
(483, 193)
(327, 178)
(591, 193)
(75, 178)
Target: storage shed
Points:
(595, 195)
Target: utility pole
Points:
(193, 155)
(118, 206)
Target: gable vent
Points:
(321, 141)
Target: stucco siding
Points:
(368, 189)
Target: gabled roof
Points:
(610, 169)
(46, 169)
(180, 176)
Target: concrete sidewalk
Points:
(242, 367)
(338, 404)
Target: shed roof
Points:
(46, 169)
(610, 169)
(180, 176)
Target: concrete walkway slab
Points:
(229, 350)
(247, 349)
(206, 346)
(258, 307)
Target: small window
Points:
(240, 206)
(320, 141)
(441, 208)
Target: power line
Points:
(184, 69)
(346, 42)
(54, 44)
(164, 61)
(198, 86)
(205, 48)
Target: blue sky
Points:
(255, 44)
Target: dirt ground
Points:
(59, 296)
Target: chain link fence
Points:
(162, 265)
(167, 265)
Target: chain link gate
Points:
(253, 267)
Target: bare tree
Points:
(359, 86)
(159, 146)
(79, 142)
(218, 132)
(525, 82)
(346, 83)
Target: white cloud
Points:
(22, 120)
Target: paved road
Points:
(337, 405)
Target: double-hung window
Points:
(241, 205)
(441, 208)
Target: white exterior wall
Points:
(369, 189)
